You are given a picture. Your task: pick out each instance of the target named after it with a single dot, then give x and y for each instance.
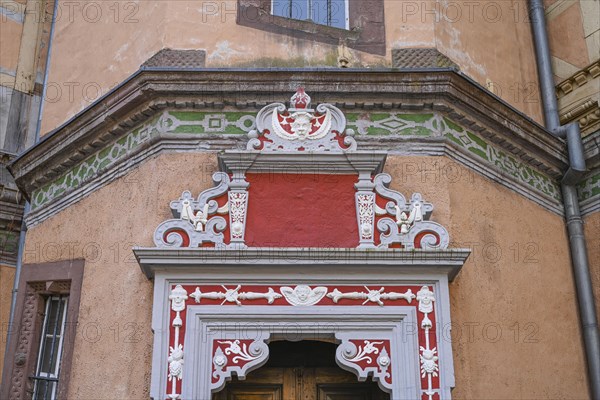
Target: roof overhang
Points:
(148, 91)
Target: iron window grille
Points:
(50, 350)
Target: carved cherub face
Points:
(302, 291)
(302, 124)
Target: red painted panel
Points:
(301, 210)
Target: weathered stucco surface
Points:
(514, 299)
(515, 325)
(592, 236)
(116, 302)
(10, 39)
(492, 43)
(97, 47)
(7, 277)
(513, 305)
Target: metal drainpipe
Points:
(13, 303)
(581, 272)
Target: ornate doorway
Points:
(304, 370)
(301, 238)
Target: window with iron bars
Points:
(323, 12)
(50, 350)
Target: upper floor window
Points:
(359, 24)
(323, 12)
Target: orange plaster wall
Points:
(491, 41)
(514, 312)
(567, 38)
(518, 301)
(92, 54)
(114, 329)
(592, 237)
(7, 277)
(10, 40)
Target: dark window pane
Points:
(61, 313)
(52, 315)
(45, 360)
(44, 390)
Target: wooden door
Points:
(301, 371)
(300, 384)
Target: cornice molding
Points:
(11, 212)
(144, 94)
(86, 153)
(306, 163)
(448, 262)
(578, 79)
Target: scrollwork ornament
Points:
(366, 356)
(236, 356)
(300, 128)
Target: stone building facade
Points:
(363, 202)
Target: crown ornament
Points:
(301, 128)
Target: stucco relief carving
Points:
(366, 215)
(359, 352)
(236, 356)
(300, 128)
(303, 295)
(178, 299)
(406, 223)
(199, 221)
(367, 357)
(235, 296)
(428, 355)
(370, 295)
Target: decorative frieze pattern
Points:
(589, 193)
(358, 352)
(589, 187)
(234, 295)
(93, 165)
(371, 295)
(502, 161)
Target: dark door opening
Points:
(304, 370)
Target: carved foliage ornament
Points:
(239, 356)
(406, 223)
(199, 221)
(301, 128)
(365, 357)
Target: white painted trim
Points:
(384, 319)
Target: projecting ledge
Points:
(308, 260)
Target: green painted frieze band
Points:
(390, 124)
(589, 188)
